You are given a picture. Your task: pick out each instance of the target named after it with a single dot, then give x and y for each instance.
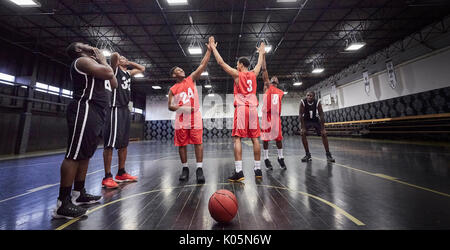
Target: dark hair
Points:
(244, 61)
(71, 50)
(172, 70)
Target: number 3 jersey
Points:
(245, 90)
(186, 95)
(121, 96)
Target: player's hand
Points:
(99, 57)
(323, 132)
(262, 48)
(302, 131)
(212, 42)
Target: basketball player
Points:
(183, 98)
(117, 126)
(246, 122)
(311, 116)
(90, 75)
(271, 121)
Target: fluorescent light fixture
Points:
(286, 1)
(177, 2)
(205, 73)
(318, 70)
(211, 94)
(7, 79)
(53, 90)
(139, 75)
(41, 85)
(156, 87)
(195, 50)
(106, 53)
(167, 95)
(268, 48)
(26, 3)
(208, 86)
(298, 83)
(285, 92)
(136, 110)
(355, 46)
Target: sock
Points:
(185, 165)
(266, 154)
(64, 192)
(78, 185)
(280, 153)
(238, 166)
(199, 164)
(257, 165)
(121, 171)
(108, 175)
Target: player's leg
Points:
(79, 194)
(257, 157)
(239, 174)
(109, 137)
(108, 181)
(123, 137)
(307, 157)
(199, 158)
(266, 155)
(280, 154)
(325, 145)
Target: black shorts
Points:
(117, 127)
(313, 125)
(85, 122)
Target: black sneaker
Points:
(67, 210)
(307, 158)
(281, 162)
(258, 173)
(82, 198)
(237, 177)
(330, 158)
(268, 164)
(200, 176)
(184, 174)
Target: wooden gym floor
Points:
(374, 184)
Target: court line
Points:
(338, 209)
(386, 177)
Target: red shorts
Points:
(271, 130)
(184, 137)
(246, 122)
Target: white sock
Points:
(257, 165)
(185, 165)
(199, 164)
(238, 166)
(280, 153)
(266, 154)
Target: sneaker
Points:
(184, 174)
(307, 158)
(268, 164)
(109, 183)
(67, 210)
(281, 162)
(236, 177)
(82, 198)
(126, 178)
(258, 173)
(330, 158)
(200, 176)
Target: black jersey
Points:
(87, 89)
(311, 112)
(121, 95)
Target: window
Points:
(67, 93)
(7, 79)
(136, 110)
(41, 87)
(53, 90)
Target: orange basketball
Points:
(223, 206)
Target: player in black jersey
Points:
(90, 75)
(117, 126)
(311, 116)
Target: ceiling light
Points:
(318, 70)
(210, 94)
(195, 50)
(26, 3)
(268, 48)
(285, 92)
(106, 53)
(177, 2)
(355, 46)
(156, 87)
(204, 73)
(298, 83)
(139, 75)
(208, 86)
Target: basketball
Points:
(223, 206)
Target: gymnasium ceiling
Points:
(158, 35)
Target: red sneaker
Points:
(109, 183)
(125, 177)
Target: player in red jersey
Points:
(183, 98)
(271, 117)
(246, 123)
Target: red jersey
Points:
(245, 90)
(272, 100)
(186, 94)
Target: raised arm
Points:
(302, 119)
(196, 74)
(137, 68)
(265, 74)
(231, 71)
(115, 60)
(261, 51)
(98, 68)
